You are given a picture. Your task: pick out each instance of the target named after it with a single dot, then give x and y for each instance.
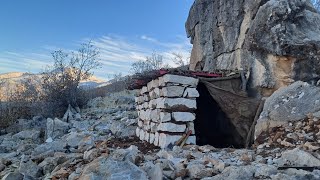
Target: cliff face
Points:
(278, 41)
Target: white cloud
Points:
(116, 53)
(23, 62)
(145, 37)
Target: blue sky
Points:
(124, 30)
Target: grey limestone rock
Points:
(278, 41)
(289, 104)
(13, 176)
(105, 168)
(56, 128)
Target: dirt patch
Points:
(124, 143)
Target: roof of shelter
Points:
(137, 81)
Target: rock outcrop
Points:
(277, 41)
(288, 105)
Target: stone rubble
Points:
(290, 118)
(91, 150)
(42, 148)
(304, 134)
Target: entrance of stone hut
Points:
(212, 125)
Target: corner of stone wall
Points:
(166, 109)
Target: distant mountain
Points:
(11, 83)
(15, 76)
(93, 82)
(11, 75)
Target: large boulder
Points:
(56, 128)
(277, 40)
(55, 146)
(297, 157)
(73, 139)
(32, 135)
(155, 173)
(30, 168)
(198, 171)
(289, 104)
(82, 141)
(107, 168)
(13, 176)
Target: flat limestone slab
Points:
(190, 126)
(171, 127)
(156, 139)
(177, 104)
(183, 116)
(144, 90)
(191, 93)
(146, 136)
(165, 116)
(173, 91)
(151, 139)
(138, 132)
(155, 115)
(141, 136)
(170, 78)
(165, 140)
(153, 127)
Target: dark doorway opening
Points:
(212, 126)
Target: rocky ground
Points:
(101, 145)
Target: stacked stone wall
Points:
(166, 109)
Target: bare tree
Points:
(22, 99)
(30, 90)
(140, 67)
(179, 59)
(61, 81)
(153, 62)
(115, 77)
(11, 107)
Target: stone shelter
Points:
(177, 108)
